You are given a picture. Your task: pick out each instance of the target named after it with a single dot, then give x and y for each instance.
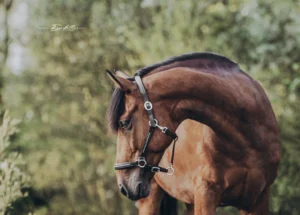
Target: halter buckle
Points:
(162, 128)
(155, 169)
(172, 171)
(141, 162)
(148, 105)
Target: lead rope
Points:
(171, 172)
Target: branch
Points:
(6, 41)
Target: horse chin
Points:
(141, 191)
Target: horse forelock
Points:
(116, 108)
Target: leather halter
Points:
(153, 123)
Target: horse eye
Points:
(125, 124)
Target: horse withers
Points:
(229, 158)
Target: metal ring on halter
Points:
(172, 170)
(155, 121)
(163, 129)
(148, 105)
(141, 162)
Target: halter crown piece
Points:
(153, 123)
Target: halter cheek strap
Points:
(153, 123)
(147, 104)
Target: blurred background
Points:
(56, 153)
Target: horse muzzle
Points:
(140, 190)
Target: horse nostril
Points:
(123, 190)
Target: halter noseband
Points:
(153, 123)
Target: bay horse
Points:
(228, 152)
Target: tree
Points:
(12, 176)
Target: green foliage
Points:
(62, 95)
(12, 177)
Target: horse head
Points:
(141, 141)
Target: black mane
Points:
(190, 56)
(117, 104)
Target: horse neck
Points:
(204, 97)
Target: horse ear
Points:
(122, 74)
(120, 81)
